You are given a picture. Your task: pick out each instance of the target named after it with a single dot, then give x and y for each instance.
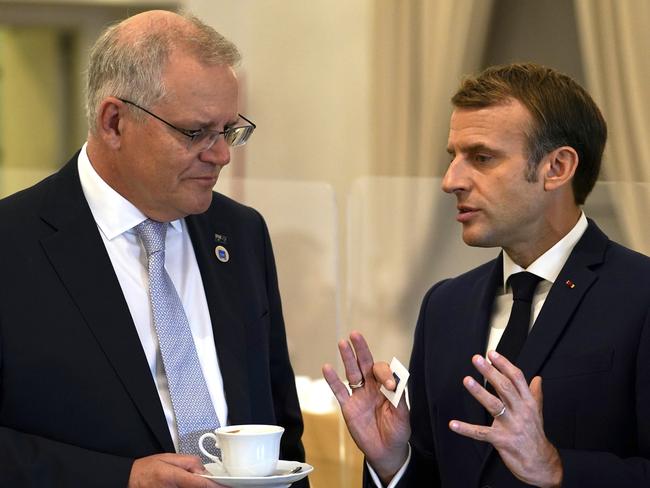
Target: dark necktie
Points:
(523, 287)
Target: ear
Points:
(109, 121)
(559, 168)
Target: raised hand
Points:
(380, 430)
(517, 431)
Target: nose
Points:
(455, 178)
(218, 154)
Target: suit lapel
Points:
(220, 281)
(485, 289)
(563, 299)
(77, 253)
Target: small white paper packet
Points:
(401, 375)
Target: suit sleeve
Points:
(28, 460)
(423, 468)
(33, 461)
(285, 397)
(599, 469)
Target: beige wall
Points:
(31, 95)
(43, 49)
(306, 77)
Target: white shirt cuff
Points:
(396, 478)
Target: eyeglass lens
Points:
(237, 136)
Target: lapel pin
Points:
(570, 284)
(222, 254)
(220, 238)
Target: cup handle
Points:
(216, 443)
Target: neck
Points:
(553, 231)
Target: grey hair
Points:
(129, 64)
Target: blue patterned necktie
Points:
(191, 401)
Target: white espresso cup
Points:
(246, 450)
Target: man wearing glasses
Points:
(138, 308)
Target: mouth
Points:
(209, 180)
(466, 213)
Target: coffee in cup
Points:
(246, 450)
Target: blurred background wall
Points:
(351, 98)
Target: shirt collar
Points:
(549, 264)
(113, 213)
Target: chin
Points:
(197, 205)
(474, 240)
(199, 209)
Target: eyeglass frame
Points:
(193, 134)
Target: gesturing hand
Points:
(517, 431)
(379, 430)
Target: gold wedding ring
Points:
(503, 410)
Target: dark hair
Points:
(562, 111)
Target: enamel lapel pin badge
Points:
(220, 250)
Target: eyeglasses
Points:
(203, 139)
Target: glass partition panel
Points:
(402, 237)
(302, 221)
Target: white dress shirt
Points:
(547, 267)
(116, 218)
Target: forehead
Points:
(504, 125)
(200, 89)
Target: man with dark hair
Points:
(561, 303)
(138, 308)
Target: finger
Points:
(191, 480)
(536, 392)
(491, 403)
(384, 375)
(352, 370)
(478, 432)
(510, 371)
(187, 462)
(206, 483)
(336, 385)
(502, 384)
(364, 356)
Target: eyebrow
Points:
(474, 148)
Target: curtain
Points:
(401, 228)
(615, 42)
(422, 48)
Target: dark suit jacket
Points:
(590, 344)
(77, 400)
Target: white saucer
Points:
(280, 479)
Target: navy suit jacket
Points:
(591, 345)
(77, 400)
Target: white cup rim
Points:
(267, 429)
